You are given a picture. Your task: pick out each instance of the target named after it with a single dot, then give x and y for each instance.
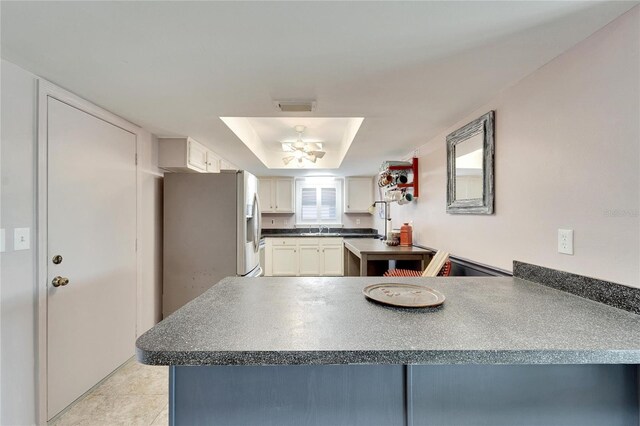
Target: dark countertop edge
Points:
(297, 233)
(372, 236)
(418, 357)
(390, 249)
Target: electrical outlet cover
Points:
(21, 239)
(565, 241)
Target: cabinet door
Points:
(284, 195)
(358, 194)
(309, 261)
(196, 156)
(284, 261)
(213, 163)
(332, 260)
(265, 193)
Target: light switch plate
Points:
(565, 241)
(21, 239)
(2, 239)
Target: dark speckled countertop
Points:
(484, 320)
(330, 232)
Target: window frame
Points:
(318, 183)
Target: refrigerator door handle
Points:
(257, 217)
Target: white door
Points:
(284, 261)
(332, 261)
(92, 224)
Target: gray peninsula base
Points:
(404, 395)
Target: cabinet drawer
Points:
(275, 242)
(305, 241)
(331, 241)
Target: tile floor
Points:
(135, 394)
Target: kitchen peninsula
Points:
(371, 257)
(290, 351)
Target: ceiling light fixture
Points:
(301, 150)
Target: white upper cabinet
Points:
(213, 163)
(276, 195)
(358, 194)
(284, 195)
(265, 191)
(187, 155)
(196, 156)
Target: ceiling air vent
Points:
(295, 106)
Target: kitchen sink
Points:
(318, 234)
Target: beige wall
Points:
(567, 156)
(18, 268)
(150, 179)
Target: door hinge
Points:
(136, 159)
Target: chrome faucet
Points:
(321, 226)
(387, 218)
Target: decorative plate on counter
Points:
(404, 295)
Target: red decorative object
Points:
(406, 235)
(414, 169)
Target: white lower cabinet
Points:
(309, 261)
(310, 257)
(283, 261)
(333, 259)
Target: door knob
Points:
(60, 281)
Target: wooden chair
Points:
(440, 265)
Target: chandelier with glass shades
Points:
(300, 150)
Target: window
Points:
(319, 201)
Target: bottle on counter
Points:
(406, 235)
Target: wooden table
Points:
(369, 257)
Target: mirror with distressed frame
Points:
(470, 167)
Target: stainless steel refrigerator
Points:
(212, 228)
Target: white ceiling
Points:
(264, 137)
(411, 69)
